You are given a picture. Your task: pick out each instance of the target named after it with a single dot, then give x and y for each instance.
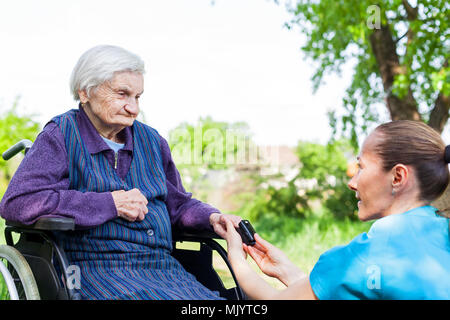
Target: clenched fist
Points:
(131, 205)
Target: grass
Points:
(3, 291)
(2, 233)
(302, 239)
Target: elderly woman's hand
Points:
(235, 246)
(131, 205)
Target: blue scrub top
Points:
(403, 256)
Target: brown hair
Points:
(416, 144)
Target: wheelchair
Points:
(36, 267)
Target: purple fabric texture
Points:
(41, 185)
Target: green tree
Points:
(14, 128)
(322, 176)
(211, 144)
(400, 49)
(328, 166)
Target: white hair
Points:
(98, 65)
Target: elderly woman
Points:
(403, 167)
(115, 176)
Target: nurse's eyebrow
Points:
(359, 160)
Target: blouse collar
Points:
(92, 138)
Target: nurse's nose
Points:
(352, 184)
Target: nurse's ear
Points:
(401, 178)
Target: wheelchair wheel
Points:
(17, 275)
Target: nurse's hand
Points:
(131, 205)
(273, 262)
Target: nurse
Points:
(403, 167)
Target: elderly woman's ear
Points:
(83, 96)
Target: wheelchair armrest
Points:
(46, 224)
(178, 235)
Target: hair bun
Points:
(447, 154)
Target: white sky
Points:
(233, 60)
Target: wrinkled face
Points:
(373, 186)
(115, 103)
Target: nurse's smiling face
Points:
(373, 185)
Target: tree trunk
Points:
(385, 52)
(443, 203)
(402, 109)
(440, 113)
